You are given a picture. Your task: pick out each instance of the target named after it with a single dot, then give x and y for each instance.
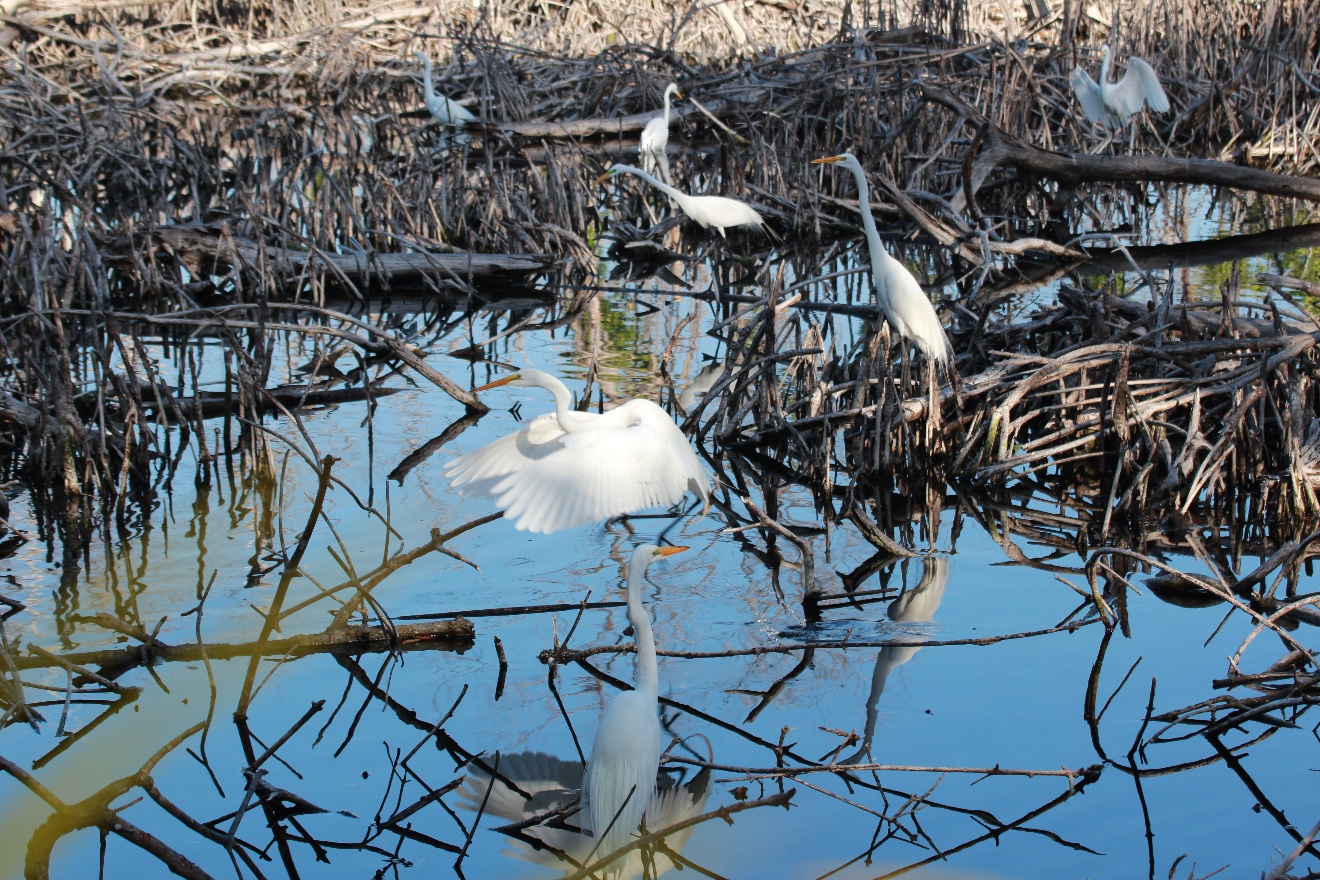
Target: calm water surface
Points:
(1016, 704)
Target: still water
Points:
(1018, 704)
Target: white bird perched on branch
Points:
(620, 779)
(716, 211)
(1114, 103)
(898, 294)
(442, 109)
(655, 140)
(570, 468)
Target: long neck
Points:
(878, 252)
(428, 90)
(667, 94)
(563, 404)
(648, 678)
(1104, 70)
(663, 187)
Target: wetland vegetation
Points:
(1048, 612)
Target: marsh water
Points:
(913, 695)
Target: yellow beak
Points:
(604, 177)
(496, 384)
(668, 551)
(827, 160)
(679, 94)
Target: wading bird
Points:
(442, 109)
(716, 211)
(620, 780)
(898, 294)
(569, 468)
(655, 139)
(1114, 103)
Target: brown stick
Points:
(1003, 149)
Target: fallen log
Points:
(203, 243)
(446, 635)
(999, 148)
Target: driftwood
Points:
(998, 148)
(452, 635)
(195, 243)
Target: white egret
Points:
(569, 468)
(900, 297)
(1114, 103)
(442, 109)
(620, 780)
(716, 211)
(655, 140)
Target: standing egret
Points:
(569, 468)
(898, 294)
(620, 780)
(1114, 103)
(442, 109)
(709, 211)
(655, 140)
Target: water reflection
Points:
(917, 605)
(539, 796)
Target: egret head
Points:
(672, 89)
(527, 378)
(847, 160)
(613, 170)
(645, 554)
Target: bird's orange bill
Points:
(679, 94)
(827, 160)
(668, 551)
(604, 177)
(496, 384)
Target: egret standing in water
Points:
(1114, 103)
(900, 297)
(442, 109)
(716, 211)
(655, 140)
(570, 468)
(625, 756)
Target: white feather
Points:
(547, 478)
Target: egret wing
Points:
(1145, 86)
(1088, 95)
(477, 472)
(599, 473)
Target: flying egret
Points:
(620, 780)
(1114, 103)
(709, 211)
(655, 139)
(898, 294)
(569, 468)
(442, 109)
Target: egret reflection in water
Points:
(564, 840)
(917, 605)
